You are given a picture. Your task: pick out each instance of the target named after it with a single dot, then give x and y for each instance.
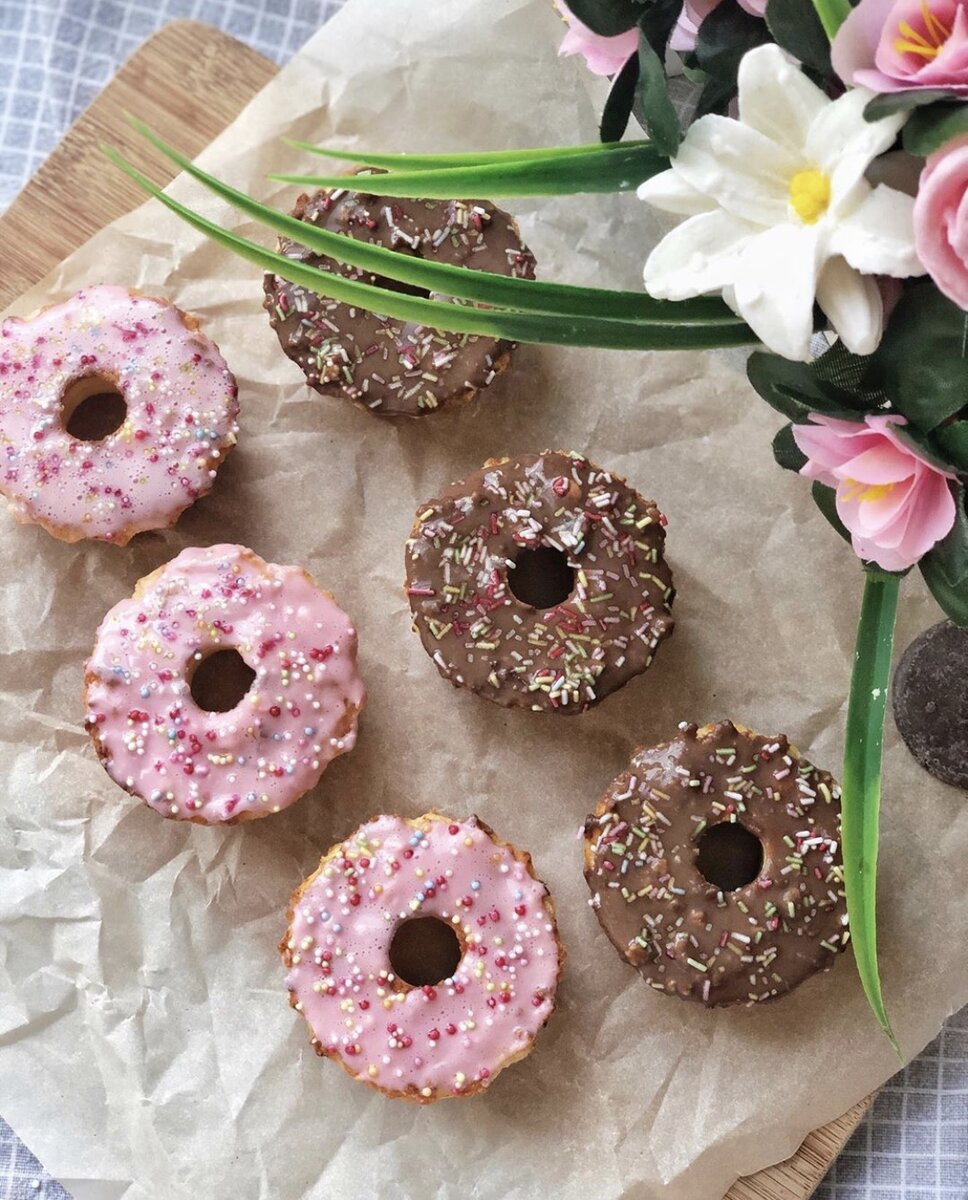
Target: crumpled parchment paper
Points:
(146, 1045)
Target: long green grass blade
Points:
(458, 318)
(620, 170)
(424, 162)
(526, 295)
(862, 779)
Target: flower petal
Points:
(739, 168)
(829, 443)
(777, 99)
(775, 288)
(877, 238)
(698, 256)
(853, 305)
(879, 464)
(843, 144)
(669, 192)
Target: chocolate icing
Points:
(388, 366)
(564, 658)
(683, 934)
(931, 702)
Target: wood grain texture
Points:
(193, 81)
(190, 80)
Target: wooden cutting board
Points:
(194, 81)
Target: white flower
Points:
(780, 213)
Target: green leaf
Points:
(608, 18)
(952, 441)
(620, 169)
(795, 390)
(922, 444)
(725, 36)
(657, 22)
(953, 598)
(825, 499)
(459, 318)
(618, 105)
(929, 128)
(653, 107)
(950, 555)
(832, 14)
(797, 29)
(921, 362)
(860, 805)
(483, 158)
(481, 286)
(897, 102)
(786, 451)
(715, 97)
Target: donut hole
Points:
(219, 681)
(729, 856)
(542, 577)
(397, 285)
(424, 951)
(93, 407)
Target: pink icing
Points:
(298, 715)
(423, 1040)
(181, 415)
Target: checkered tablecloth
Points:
(55, 56)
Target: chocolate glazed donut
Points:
(715, 869)
(392, 367)
(539, 582)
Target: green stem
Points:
(832, 14)
(862, 778)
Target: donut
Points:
(424, 956)
(221, 690)
(539, 582)
(390, 367)
(714, 866)
(115, 415)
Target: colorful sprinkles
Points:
(257, 758)
(464, 548)
(451, 1038)
(180, 420)
(391, 367)
(687, 936)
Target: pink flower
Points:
(694, 12)
(896, 505)
(602, 55)
(894, 45)
(941, 219)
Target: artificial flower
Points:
(780, 213)
(694, 12)
(895, 505)
(941, 219)
(895, 45)
(602, 55)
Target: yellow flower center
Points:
(810, 194)
(926, 43)
(867, 491)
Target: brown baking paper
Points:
(146, 1043)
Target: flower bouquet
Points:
(816, 157)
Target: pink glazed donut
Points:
(423, 1013)
(115, 414)
(223, 688)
